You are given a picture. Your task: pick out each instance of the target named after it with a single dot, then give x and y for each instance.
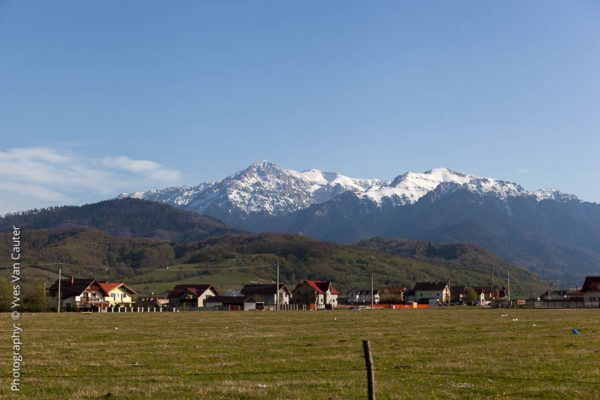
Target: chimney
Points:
(72, 280)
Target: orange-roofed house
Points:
(315, 295)
(118, 294)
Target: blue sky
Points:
(103, 97)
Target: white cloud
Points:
(149, 169)
(44, 176)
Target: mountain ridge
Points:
(265, 189)
(546, 231)
(123, 217)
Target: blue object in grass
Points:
(575, 331)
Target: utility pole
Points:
(508, 289)
(372, 290)
(59, 279)
(44, 298)
(277, 289)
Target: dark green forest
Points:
(90, 253)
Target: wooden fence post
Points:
(370, 373)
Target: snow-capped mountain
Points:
(546, 231)
(265, 189)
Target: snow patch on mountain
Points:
(264, 188)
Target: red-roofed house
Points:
(317, 294)
(118, 294)
(79, 294)
(591, 291)
(191, 296)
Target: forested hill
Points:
(86, 252)
(123, 217)
(457, 256)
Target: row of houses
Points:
(586, 297)
(85, 294)
(308, 294)
(90, 294)
(428, 293)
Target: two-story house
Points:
(190, 296)
(315, 295)
(78, 294)
(118, 294)
(432, 291)
(591, 292)
(265, 295)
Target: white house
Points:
(191, 296)
(358, 296)
(315, 295)
(265, 295)
(432, 291)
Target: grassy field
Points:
(418, 354)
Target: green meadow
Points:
(456, 353)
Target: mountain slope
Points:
(453, 255)
(264, 189)
(86, 252)
(124, 217)
(552, 233)
(559, 240)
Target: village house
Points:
(265, 295)
(230, 303)
(118, 294)
(315, 295)
(190, 296)
(392, 294)
(358, 296)
(409, 296)
(488, 294)
(432, 291)
(591, 292)
(152, 301)
(575, 296)
(554, 295)
(79, 294)
(458, 294)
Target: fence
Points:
(561, 304)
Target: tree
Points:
(6, 295)
(471, 296)
(35, 297)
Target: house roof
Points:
(195, 290)
(73, 287)
(109, 286)
(262, 288)
(229, 300)
(430, 285)
(454, 290)
(591, 283)
(321, 286)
